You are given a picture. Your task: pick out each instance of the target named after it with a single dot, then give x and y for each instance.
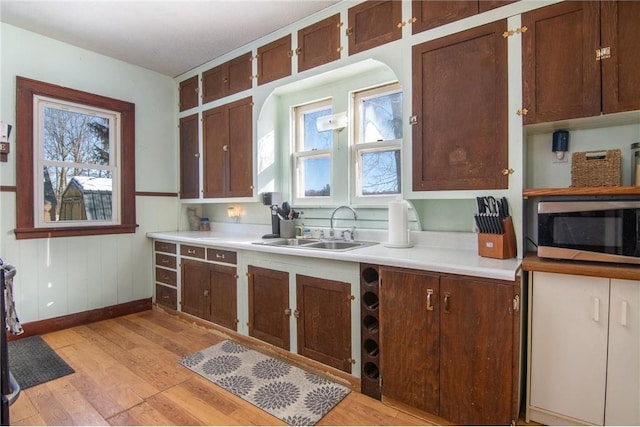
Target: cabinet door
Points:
(214, 83)
(410, 338)
(188, 93)
(269, 311)
(274, 60)
(189, 158)
(239, 74)
(215, 137)
(238, 175)
(373, 23)
(561, 78)
(623, 365)
(324, 322)
(476, 351)
(460, 140)
(569, 322)
(319, 43)
(431, 14)
(621, 72)
(196, 298)
(223, 284)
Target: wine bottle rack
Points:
(370, 335)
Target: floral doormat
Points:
(295, 396)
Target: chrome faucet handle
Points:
(352, 233)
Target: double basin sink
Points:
(327, 245)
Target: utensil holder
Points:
(500, 246)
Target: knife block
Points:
(500, 246)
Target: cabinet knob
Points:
(287, 312)
(298, 51)
(197, 155)
(507, 171)
(225, 147)
(206, 292)
(349, 31)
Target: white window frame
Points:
(115, 134)
(298, 155)
(358, 148)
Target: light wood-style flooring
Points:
(126, 373)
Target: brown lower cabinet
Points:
(209, 291)
(269, 311)
(449, 345)
(324, 321)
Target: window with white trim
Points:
(377, 143)
(76, 157)
(312, 153)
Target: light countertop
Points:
(443, 252)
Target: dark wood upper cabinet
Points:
(274, 60)
(460, 139)
(373, 23)
(561, 77)
(484, 5)
(431, 14)
(572, 79)
(324, 322)
(621, 72)
(228, 151)
(188, 93)
(269, 311)
(319, 43)
(189, 158)
(226, 79)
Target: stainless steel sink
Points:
(327, 245)
(338, 245)
(287, 242)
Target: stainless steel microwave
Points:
(590, 230)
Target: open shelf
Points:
(582, 191)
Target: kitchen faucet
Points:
(332, 220)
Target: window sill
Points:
(41, 233)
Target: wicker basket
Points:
(596, 169)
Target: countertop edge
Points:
(427, 258)
(532, 262)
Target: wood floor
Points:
(126, 374)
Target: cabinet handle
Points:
(624, 306)
(507, 171)
(596, 309)
(446, 302)
(287, 312)
(191, 251)
(298, 51)
(296, 314)
(165, 261)
(206, 292)
(220, 256)
(429, 305)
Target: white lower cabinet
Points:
(584, 361)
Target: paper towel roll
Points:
(398, 223)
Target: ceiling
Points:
(167, 36)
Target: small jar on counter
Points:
(204, 224)
(635, 164)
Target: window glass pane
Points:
(316, 176)
(73, 194)
(71, 136)
(381, 172)
(314, 140)
(382, 118)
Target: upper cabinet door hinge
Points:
(510, 33)
(603, 53)
(516, 303)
